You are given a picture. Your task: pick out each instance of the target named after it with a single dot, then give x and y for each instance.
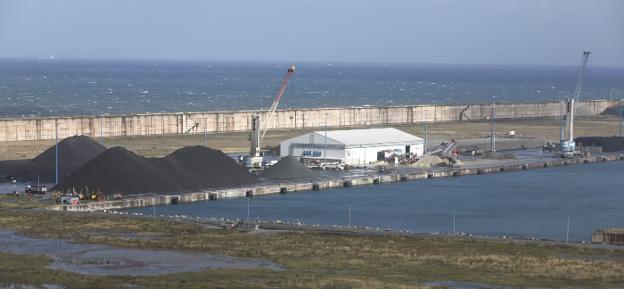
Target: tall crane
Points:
(259, 128)
(567, 144)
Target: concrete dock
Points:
(329, 183)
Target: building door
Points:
(407, 149)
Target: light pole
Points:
(102, 128)
(248, 205)
(56, 157)
(349, 214)
(426, 135)
(568, 231)
(325, 141)
(453, 222)
(205, 132)
(493, 132)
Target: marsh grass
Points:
(310, 260)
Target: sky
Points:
(525, 32)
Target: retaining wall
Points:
(374, 179)
(223, 121)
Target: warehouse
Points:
(352, 147)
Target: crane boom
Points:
(581, 74)
(259, 128)
(278, 97)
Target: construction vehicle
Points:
(566, 143)
(259, 127)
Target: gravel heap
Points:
(608, 144)
(428, 161)
(119, 170)
(73, 153)
(289, 168)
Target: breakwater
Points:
(372, 179)
(22, 129)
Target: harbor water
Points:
(534, 203)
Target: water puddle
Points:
(105, 260)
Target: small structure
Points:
(608, 236)
(352, 147)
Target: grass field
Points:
(310, 260)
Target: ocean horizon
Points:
(61, 87)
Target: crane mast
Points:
(259, 128)
(567, 144)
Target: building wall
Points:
(222, 121)
(366, 155)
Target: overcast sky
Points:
(529, 32)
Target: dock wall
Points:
(22, 129)
(373, 179)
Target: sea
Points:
(559, 203)
(57, 87)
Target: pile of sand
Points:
(289, 168)
(119, 170)
(73, 153)
(429, 161)
(608, 144)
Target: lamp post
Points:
(493, 132)
(325, 141)
(205, 132)
(56, 157)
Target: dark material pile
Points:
(119, 170)
(608, 144)
(73, 153)
(289, 168)
(616, 110)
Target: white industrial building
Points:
(353, 146)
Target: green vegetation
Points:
(310, 260)
(21, 202)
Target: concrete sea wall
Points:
(224, 121)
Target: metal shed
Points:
(353, 146)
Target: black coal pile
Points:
(73, 152)
(608, 144)
(289, 168)
(616, 110)
(119, 170)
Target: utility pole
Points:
(426, 135)
(56, 156)
(568, 231)
(101, 128)
(248, 205)
(325, 141)
(493, 132)
(561, 123)
(205, 132)
(453, 222)
(349, 214)
(622, 118)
